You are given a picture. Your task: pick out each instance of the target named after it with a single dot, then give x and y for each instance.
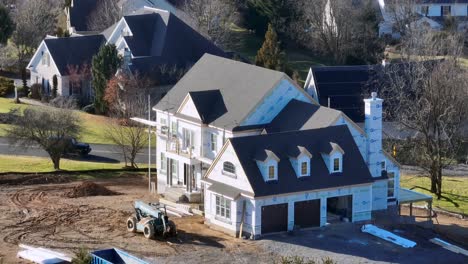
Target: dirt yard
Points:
(38, 210)
(44, 215)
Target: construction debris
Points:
(89, 188)
(386, 235)
(449, 246)
(42, 255)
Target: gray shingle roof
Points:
(73, 50)
(298, 115)
(316, 141)
(241, 85)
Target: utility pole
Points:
(149, 143)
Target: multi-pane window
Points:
(229, 167)
(391, 184)
(46, 59)
(174, 128)
(163, 162)
(223, 207)
(214, 142)
(424, 10)
(174, 167)
(304, 168)
(336, 164)
(383, 165)
(271, 172)
(446, 10)
(188, 138)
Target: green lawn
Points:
(35, 164)
(454, 191)
(247, 44)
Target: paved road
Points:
(99, 153)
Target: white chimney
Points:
(373, 129)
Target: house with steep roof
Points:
(80, 10)
(70, 60)
(263, 156)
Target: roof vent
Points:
(374, 95)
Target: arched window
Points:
(229, 167)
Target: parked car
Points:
(75, 147)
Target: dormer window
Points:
(267, 163)
(333, 158)
(304, 168)
(336, 165)
(229, 169)
(271, 172)
(300, 160)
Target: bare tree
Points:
(79, 76)
(35, 19)
(430, 98)
(106, 13)
(344, 30)
(213, 18)
(402, 14)
(126, 98)
(47, 127)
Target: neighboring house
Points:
(158, 45)
(81, 10)
(260, 152)
(432, 13)
(70, 60)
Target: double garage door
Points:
(275, 217)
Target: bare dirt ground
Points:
(37, 210)
(43, 215)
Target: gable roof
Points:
(316, 141)
(298, 115)
(80, 12)
(73, 50)
(241, 86)
(160, 33)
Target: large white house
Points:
(430, 13)
(261, 153)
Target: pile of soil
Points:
(89, 188)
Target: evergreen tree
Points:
(54, 86)
(6, 25)
(270, 55)
(104, 66)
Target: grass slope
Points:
(35, 164)
(93, 126)
(454, 191)
(247, 44)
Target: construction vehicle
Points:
(152, 220)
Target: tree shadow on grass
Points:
(442, 196)
(92, 158)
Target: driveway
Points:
(99, 153)
(345, 243)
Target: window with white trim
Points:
(46, 59)
(336, 165)
(174, 128)
(446, 10)
(223, 207)
(214, 142)
(271, 172)
(163, 162)
(304, 168)
(229, 168)
(391, 184)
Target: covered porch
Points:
(407, 196)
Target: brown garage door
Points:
(307, 213)
(274, 218)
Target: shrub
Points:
(36, 91)
(7, 86)
(82, 257)
(89, 109)
(64, 102)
